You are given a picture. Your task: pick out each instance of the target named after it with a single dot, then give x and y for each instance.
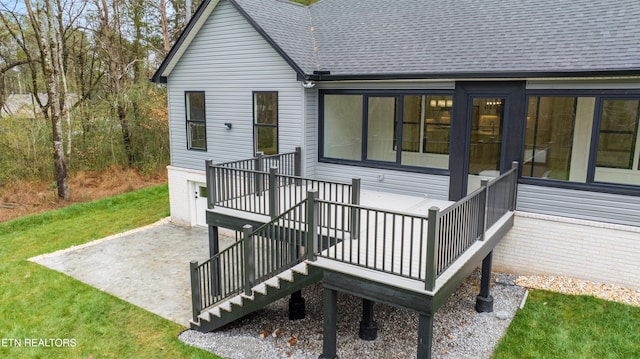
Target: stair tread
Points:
(260, 288)
(286, 275)
(273, 282)
(301, 268)
(237, 300)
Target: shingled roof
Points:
(353, 39)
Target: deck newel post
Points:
(274, 198)
(329, 327)
(433, 231)
(355, 213)
(258, 166)
(311, 247)
(297, 162)
(249, 261)
(484, 301)
(195, 290)
(214, 248)
(482, 218)
(368, 326)
(425, 336)
(211, 178)
(514, 193)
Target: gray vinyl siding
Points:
(311, 135)
(595, 206)
(610, 84)
(408, 183)
(390, 85)
(228, 60)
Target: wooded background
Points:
(74, 85)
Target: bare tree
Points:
(45, 18)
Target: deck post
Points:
(433, 232)
(297, 162)
(484, 301)
(368, 326)
(425, 336)
(258, 166)
(214, 248)
(329, 327)
(296, 306)
(514, 193)
(274, 197)
(355, 213)
(249, 262)
(482, 217)
(211, 180)
(311, 247)
(195, 289)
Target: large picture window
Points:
(589, 140)
(618, 150)
(265, 122)
(387, 130)
(196, 121)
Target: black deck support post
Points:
(330, 327)
(296, 306)
(368, 326)
(484, 301)
(425, 336)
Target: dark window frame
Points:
(256, 125)
(590, 184)
(188, 120)
(366, 94)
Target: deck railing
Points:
(239, 185)
(403, 244)
(260, 254)
(456, 228)
(236, 179)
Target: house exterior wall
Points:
(541, 244)
(228, 78)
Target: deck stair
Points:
(272, 289)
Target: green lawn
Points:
(41, 304)
(554, 325)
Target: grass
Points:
(554, 325)
(38, 303)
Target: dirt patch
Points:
(31, 197)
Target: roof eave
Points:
(477, 75)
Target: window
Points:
(368, 128)
(550, 128)
(589, 140)
(343, 127)
(196, 122)
(265, 122)
(618, 150)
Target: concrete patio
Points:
(148, 266)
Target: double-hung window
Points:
(265, 122)
(196, 120)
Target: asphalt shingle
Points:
(383, 37)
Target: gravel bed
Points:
(459, 332)
(575, 286)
